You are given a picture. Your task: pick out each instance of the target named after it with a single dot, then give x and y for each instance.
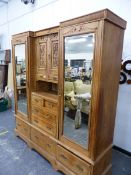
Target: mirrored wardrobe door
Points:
(21, 78)
(78, 68)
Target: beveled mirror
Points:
(21, 87)
(78, 68)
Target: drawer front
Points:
(38, 121)
(43, 141)
(23, 127)
(50, 105)
(38, 138)
(36, 100)
(73, 162)
(50, 118)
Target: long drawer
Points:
(43, 141)
(42, 124)
(50, 118)
(71, 161)
(23, 127)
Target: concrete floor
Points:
(17, 159)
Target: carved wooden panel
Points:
(81, 28)
(42, 55)
(54, 54)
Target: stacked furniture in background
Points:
(5, 57)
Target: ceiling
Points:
(3, 2)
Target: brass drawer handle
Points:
(80, 169)
(63, 157)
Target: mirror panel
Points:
(78, 63)
(21, 78)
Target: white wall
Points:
(17, 17)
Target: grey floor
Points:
(17, 159)
(79, 135)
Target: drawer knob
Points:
(63, 157)
(37, 137)
(80, 169)
(43, 76)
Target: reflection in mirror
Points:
(77, 87)
(21, 78)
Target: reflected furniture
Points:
(66, 82)
(3, 76)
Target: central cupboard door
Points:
(78, 88)
(47, 58)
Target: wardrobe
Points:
(66, 82)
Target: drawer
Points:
(37, 100)
(38, 138)
(23, 127)
(50, 105)
(50, 118)
(43, 141)
(38, 121)
(73, 162)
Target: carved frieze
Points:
(53, 36)
(81, 28)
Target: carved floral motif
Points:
(42, 61)
(77, 29)
(55, 54)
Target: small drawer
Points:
(51, 129)
(37, 100)
(50, 118)
(43, 141)
(73, 162)
(38, 121)
(23, 127)
(38, 138)
(50, 105)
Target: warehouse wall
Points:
(17, 17)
